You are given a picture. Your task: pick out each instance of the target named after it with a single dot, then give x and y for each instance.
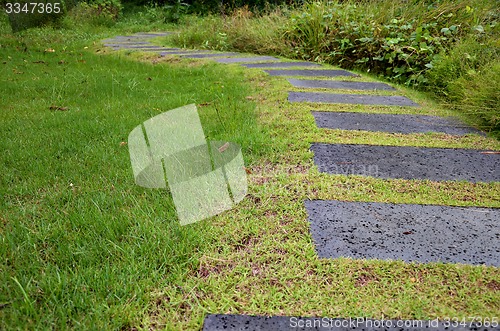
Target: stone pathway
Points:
(368, 230)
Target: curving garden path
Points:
(369, 230)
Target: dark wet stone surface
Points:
(412, 233)
(220, 322)
(247, 59)
(407, 162)
(146, 49)
(202, 56)
(154, 34)
(394, 123)
(147, 46)
(281, 65)
(358, 99)
(182, 52)
(337, 84)
(127, 44)
(310, 73)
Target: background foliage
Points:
(447, 47)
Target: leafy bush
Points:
(399, 42)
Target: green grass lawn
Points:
(83, 247)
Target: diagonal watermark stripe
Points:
(170, 149)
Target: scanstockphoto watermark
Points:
(356, 169)
(360, 322)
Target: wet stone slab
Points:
(202, 56)
(310, 73)
(147, 46)
(412, 233)
(153, 34)
(126, 44)
(247, 59)
(281, 65)
(437, 164)
(182, 52)
(393, 123)
(357, 99)
(220, 322)
(335, 84)
(125, 38)
(146, 49)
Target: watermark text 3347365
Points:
(32, 7)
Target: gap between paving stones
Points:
(312, 72)
(280, 65)
(345, 85)
(363, 99)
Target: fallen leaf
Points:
(247, 170)
(50, 50)
(58, 108)
(407, 232)
(123, 143)
(223, 147)
(413, 280)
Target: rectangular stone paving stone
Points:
(408, 162)
(202, 56)
(183, 52)
(153, 34)
(222, 322)
(394, 123)
(146, 49)
(337, 84)
(280, 65)
(310, 73)
(124, 44)
(247, 59)
(357, 99)
(149, 46)
(412, 233)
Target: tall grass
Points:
(82, 247)
(243, 31)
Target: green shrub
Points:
(399, 42)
